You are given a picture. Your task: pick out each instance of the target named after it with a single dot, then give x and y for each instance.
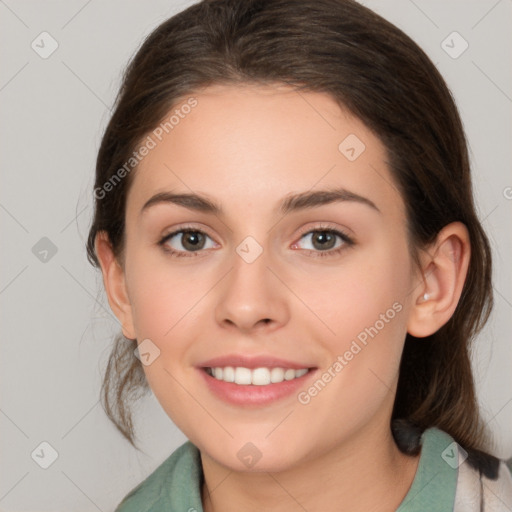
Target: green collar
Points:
(176, 483)
(435, 483)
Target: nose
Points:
(252, 296)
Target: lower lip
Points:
(252, 395)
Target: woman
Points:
(287, 234)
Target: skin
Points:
(247, 148)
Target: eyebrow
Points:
(296, 202)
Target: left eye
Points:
(325, 239)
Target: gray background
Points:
(56, 323)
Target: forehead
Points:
(253, 145)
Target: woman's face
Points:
(264, 276)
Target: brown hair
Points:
(380, 75)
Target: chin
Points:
(249, 458)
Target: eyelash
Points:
(348, 242)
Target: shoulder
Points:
(175, 482)
(472, 480)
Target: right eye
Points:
(192, 240)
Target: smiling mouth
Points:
(258, 376)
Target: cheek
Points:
(163, 311)
(162, 295)
(366, 311)
(355, 295)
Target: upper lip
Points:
(262, 361)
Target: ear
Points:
(444, 267)
(115, 285)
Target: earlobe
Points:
(444, 269)
(115, 285)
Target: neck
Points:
(364, 473)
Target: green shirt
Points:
(175, 485)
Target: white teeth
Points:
(242, 376)
(257, 377)
(228, 374)
(289, 374)
(276, 375)
(260, 376)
